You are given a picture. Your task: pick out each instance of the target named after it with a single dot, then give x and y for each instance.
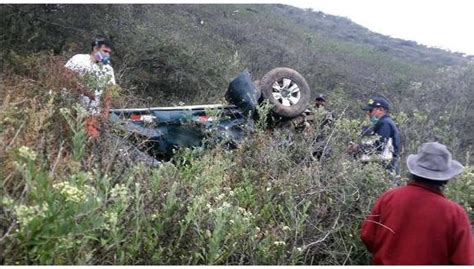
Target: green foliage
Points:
(76, 123)
(174, 54)
(462, 190)
(267, 202)
(69, 200)
(264, 203)
(189, 52)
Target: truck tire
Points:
(287, 90)
(258, 93)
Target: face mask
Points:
(374, 120)
(102, 57)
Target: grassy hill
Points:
(207, 44)
(67, 199)
(189, 53)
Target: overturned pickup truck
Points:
(163, 129)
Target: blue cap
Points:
(376, 102)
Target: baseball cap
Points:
(376, 102)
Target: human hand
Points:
(352, 148)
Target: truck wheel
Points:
(287, 90)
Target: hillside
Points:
(70, 199)
(189, 53)
(177, 42)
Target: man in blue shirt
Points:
(382, 125)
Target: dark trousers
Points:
(394, 168)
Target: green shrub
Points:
(65, 200)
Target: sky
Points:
(446, 24)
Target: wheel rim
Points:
(286, 91)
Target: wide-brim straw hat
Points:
(434, 162)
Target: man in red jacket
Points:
(416, 224)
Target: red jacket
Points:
(417, 225)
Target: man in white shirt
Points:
(96, 72)
(96, 76)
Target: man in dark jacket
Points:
(382, 125)
(416, 224)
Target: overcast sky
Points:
(447, 24)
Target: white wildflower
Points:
(72, 193)
(111, 219)
(25, 214)
(220, 197)
(7, 202)
(64, 110)
(89, 190)
(66, 242)
(27, 153)
(41, 211)
(248, 214)
(279, 243)
(119, 191)
(286, 228)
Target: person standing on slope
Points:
(416, 224)
(97, 75)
